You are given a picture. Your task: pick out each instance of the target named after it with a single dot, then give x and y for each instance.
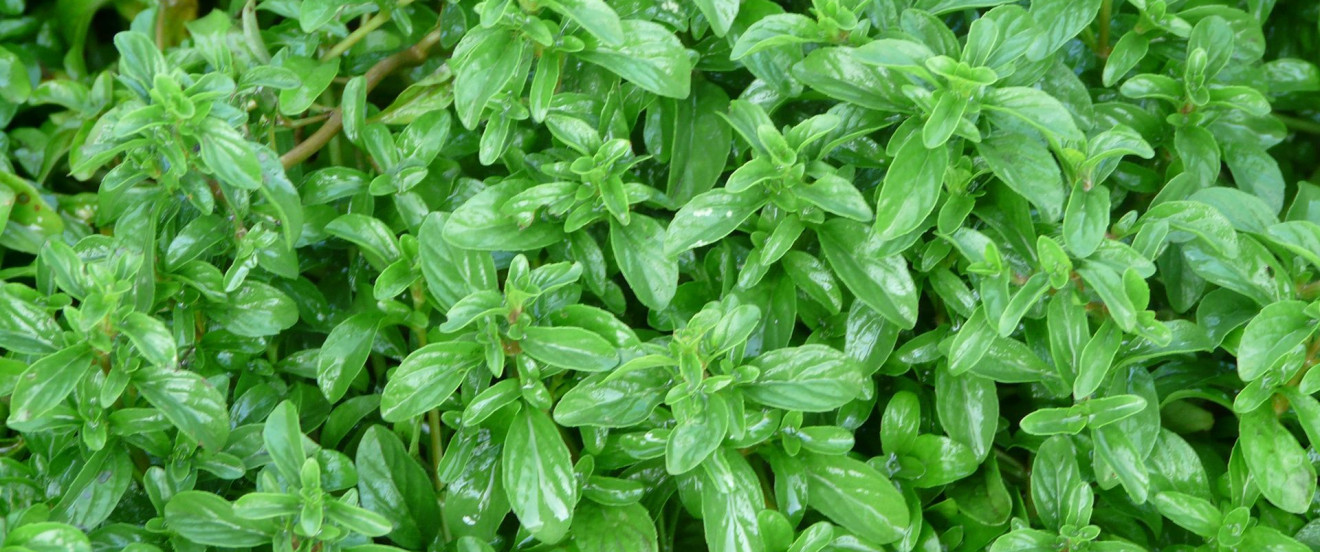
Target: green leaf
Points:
(374, 239)
(1026, 166)
(1109, 286)
(619, 399)
(708, 218)
(638, 249)
(814, 278)
(139, 60)
(838, 73)
(283, 439)
(1277, 462)
(47, 536)
(1058, 492)
(810, 378)
(353, 107)
(1256, 172)
(344, 353)
(1085, 220)
(1130, 49)
(911, 188)
(47, 382)
(1096, 359)
(538, 476)
(313, 79)
(391, 483)
(730, 498)
(1195, 514)
(151, 338)
(1262, 537)
(614, 529)
(92, 496)
(882, 281)
(1299, 237)
(1272, 336)
(1036, 109)
(943, 459)
(1025, 540)
(593, 15)
(478, 224)
(693, 166)
(894, 52)
(571, 348)
(857, 497)
(205, 518)
(944, 119)
(698, 434)
(968, 409)
(191, 403)
(15, 85)
(231, 157)
(485, 61)
(1054, 421)
(837, 195)
(427, 378)
(649, 56)
(1196, 220)
(719, 13)
(1057, 22)
(257, 310)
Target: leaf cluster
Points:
(644, 275)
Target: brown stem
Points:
(160, 26)
(411, 56)
(1309, 291)
(1280, 402)
(306, 121)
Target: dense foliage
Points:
(642, 275)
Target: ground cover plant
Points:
(644, 275)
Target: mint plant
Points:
(725, 275)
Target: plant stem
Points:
(252, 34)
(1015, 468)
(1281, 403)
(1307, 292)
(305, 121)
(437, 448)
(160, 25)
(411, 56)
(362, 31)
(1106, 13)
(1299, 124)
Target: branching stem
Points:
(413, 55)
(361, 32)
